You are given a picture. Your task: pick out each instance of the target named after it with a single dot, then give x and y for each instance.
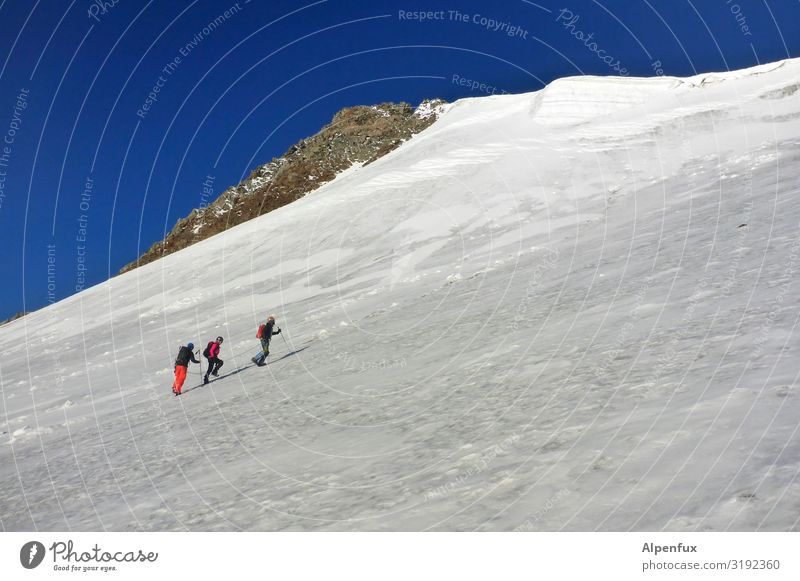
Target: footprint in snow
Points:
(783, 390)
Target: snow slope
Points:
(572, 309)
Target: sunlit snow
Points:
(572, 309)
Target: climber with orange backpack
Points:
(265, 333)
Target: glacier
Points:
(572, 309)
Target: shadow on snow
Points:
(239, 370)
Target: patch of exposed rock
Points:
(359, 134)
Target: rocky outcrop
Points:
(14, 317)
(355, 135)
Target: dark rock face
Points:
(355, 135)
(14, 318)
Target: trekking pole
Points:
(284, 340)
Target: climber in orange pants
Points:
(185, 355)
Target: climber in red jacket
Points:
(212, 354)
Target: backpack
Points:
(260, 330)
(207, 351)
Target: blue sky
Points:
(93, 171)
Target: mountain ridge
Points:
(356, 135)
(599, 317)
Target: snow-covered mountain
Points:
(572, 309)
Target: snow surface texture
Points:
(566, 310)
